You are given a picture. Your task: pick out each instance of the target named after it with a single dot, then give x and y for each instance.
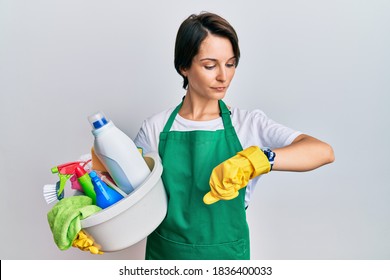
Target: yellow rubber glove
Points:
(234, 174)
(86, 243)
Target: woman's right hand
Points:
(234, 174)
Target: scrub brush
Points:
(50, 192)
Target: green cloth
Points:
(65, 218)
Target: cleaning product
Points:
(105, 196)
(75, 184)
(86, 183)
(112, 185)
(118, 154)
(55, 192)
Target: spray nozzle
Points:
(65, 171)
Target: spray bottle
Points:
(86, 183)
(105, 196)
(118, 154)
(64, 171)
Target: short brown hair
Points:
(191, 34)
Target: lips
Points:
(219, 88)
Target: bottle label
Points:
(117, 174)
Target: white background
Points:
(321, 67)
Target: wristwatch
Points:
(270, 155)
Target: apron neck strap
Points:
(224, 112)
(172, 117)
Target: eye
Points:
(231, 63)
(209, 67)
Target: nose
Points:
(221, 76)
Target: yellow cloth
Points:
(86, 243)
(234, 174)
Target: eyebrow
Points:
(213, 59)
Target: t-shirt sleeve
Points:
(142, 140)
(258, 129)
(148, 136)
(271, 133)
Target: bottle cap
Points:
(93, 174)
(97, 120)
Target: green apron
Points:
(193, 230)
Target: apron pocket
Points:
(161, 248)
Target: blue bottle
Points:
(105, 196)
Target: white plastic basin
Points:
(134, 217)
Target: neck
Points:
(198, 109)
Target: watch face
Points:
(270, 155)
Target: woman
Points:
(209, 151)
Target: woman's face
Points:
(212, 69)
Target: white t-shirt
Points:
(253, 128)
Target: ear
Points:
(183, 71)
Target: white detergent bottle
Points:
(118, 154)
